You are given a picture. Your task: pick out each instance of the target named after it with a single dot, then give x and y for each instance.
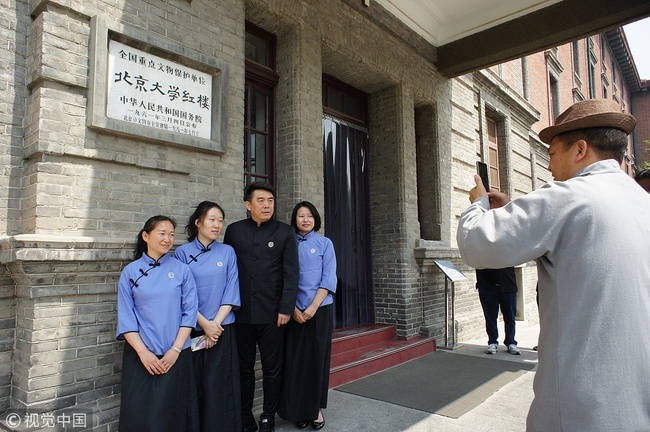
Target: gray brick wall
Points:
(65, 353)
(14, 21)
(7, 336)
(393, 186)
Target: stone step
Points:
(364, 350)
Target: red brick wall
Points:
(641, 110)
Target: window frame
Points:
(493, 165)
(361, 118)
(263, 79)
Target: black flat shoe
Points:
(316, 425)
(302, 424)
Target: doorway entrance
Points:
(347, 221)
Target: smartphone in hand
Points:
(198, 343)
(482, 170)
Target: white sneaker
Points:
(492, 349)
(512, 349)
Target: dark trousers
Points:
(270, 340)
(491, 300)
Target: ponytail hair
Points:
(149, 225)
(201, 210)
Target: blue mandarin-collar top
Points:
(155, 299)
(317, 268)
(217, 278)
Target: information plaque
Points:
(452, 274)
(450, 270)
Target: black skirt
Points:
(158, 403)
(217, 383)
(308, 348)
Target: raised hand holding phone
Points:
(482, 170)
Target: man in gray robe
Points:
(588, 231)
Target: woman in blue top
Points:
(214, 266)
(156, 311)
(308, 337)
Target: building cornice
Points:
(623, 56)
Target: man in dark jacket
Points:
(267, 257)
(497, 288)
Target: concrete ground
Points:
(504, 410)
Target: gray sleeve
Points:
(523, 230)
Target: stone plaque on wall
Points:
(155, 92)
(143, 86)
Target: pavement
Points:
(506, 409)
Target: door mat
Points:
(439, 383)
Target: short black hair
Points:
(312, 209)
(258, 185)
(610, 143)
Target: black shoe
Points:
(302, 424)
(267, 424)
(318, 425)
(251, 427)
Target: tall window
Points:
(592, 69)
(554, 97)
(576, 57)
(592, 80)
(525, 78)
(555, 69)
(259, 100)
(614, 84)
(493, 154)
(428, 173)
(623, 95)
